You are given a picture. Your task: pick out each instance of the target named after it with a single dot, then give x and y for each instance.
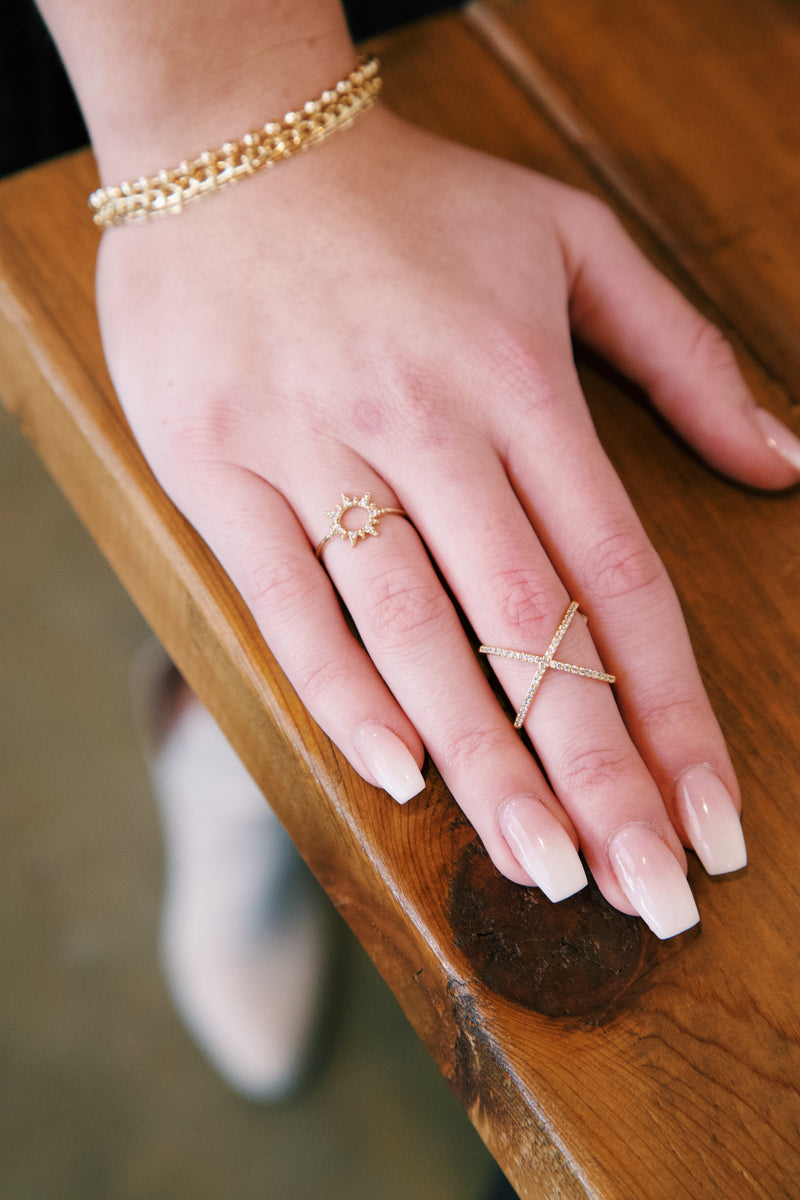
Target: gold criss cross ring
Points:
(546, 662)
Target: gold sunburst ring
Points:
(545, 662)
(369, 528)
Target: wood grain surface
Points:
(594, 1060)
(688, 111)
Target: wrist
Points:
(230, 107)
(163, 80)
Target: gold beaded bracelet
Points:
(171, 189)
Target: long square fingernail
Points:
(653, 880)
(542, 847)
(389, 761)
(710, 819)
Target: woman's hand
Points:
(391, 314)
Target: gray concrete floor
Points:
(102, 1094)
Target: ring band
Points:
(545, 662)
(368, 529)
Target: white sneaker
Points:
(245, 930)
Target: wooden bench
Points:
(594, 1060)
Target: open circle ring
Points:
(368, 528)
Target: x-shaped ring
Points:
(545, 662)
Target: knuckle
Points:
(278, 584)
(415, 397)
(594, 215)
(531, 376)
(204, 433)
(672, 709)
(473, 745)
(584, 770)
(622, 564)
(203, 439)
(514, 363)
(708, 351)
(521, 599)
(598, 213)
(401, 602)
(316, 680)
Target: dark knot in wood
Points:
(575, 959)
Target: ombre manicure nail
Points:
(711, 820)
(653, 880)
(542, 847)
(779, 437)
(389, 761)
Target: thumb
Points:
(623, 307)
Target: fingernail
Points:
(542, 847)
(653, 880)
(389, 761)
(779, 437)
(711, 820)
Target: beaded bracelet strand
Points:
(172, 188)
